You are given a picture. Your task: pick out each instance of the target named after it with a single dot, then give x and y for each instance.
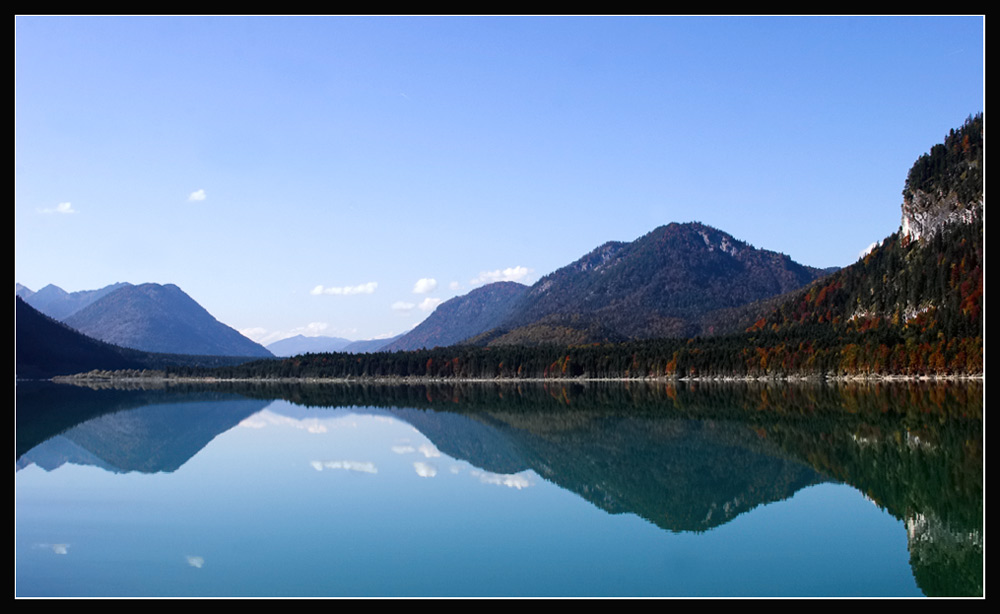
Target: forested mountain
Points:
(945, 185)
(912, 306)
(463, 316)
(661, 285)
(922, 287)
(160, 318)
(45, 347)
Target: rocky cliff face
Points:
(946, 185)
(924, 214)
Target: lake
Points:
(500, 490)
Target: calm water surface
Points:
(485, 490)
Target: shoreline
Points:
(416, 380)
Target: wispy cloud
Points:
(257, 333)
(368, 288)
(516, 480)
(425, 285)
(516, 273)
(430, 303)
(197, 195)
(348, 465)
(60, 208)
(403, 306)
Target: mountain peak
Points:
(149, 317)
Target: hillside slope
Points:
(45, 347)
(160, 318)
(925, 281)
(462, 317)
(660, 285)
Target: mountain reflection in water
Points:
(685, 457)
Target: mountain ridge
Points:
(912, 306)
(463, 317)
(662, 284)
(160, 318)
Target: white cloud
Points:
(454, 285)
(516, 273)
(403, 306)
(868, 249)
(197, 195)
(61, 208)
(425, 470)
(312, 329)
(256, 333)
(357, 466)
(430, 303)
(196, 561)
(425, 285)
(516, 480)
(367, 288)
(429, 451)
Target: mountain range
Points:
(663, 284)
(921, 290)
(689, 280)
(301, 344)
(687, 300)
(146, 317)
(675, 281)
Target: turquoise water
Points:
(280, 499)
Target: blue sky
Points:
(344, 175)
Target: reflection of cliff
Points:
(921, 461)
(146, 431)
(945, 562)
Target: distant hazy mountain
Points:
(368, 345)
(463, 317)
(160, 318)
(300, 344)
(55, 302)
